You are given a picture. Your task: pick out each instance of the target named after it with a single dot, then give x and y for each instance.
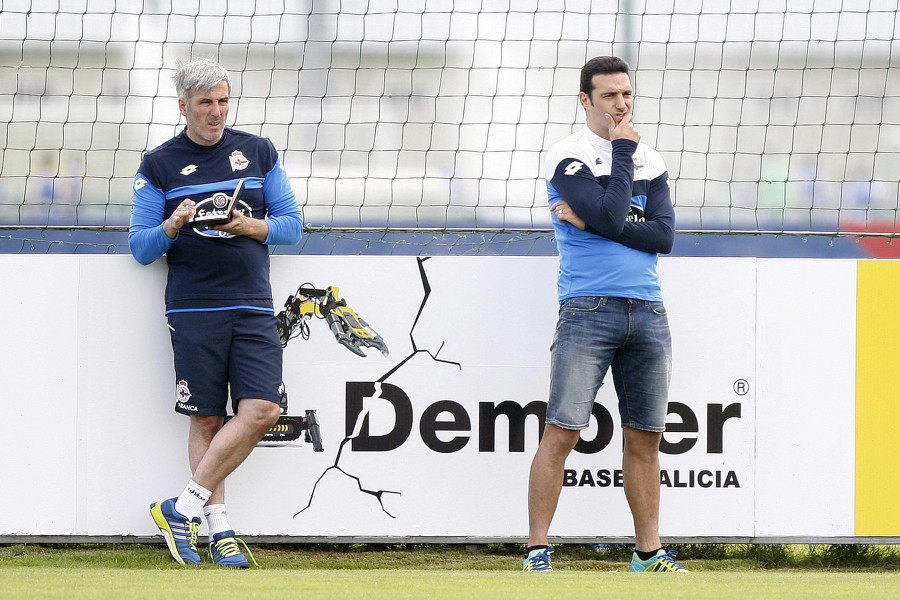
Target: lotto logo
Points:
(573, 168)
(188, 169)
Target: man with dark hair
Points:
(218, 296)
(612, 215)
(600, 65)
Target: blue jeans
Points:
(596, 333)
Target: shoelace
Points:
(193, 529)
(669, 559)
(229, 547)
(541, 560)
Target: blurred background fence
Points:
(407, 118)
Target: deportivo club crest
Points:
(238, 161)
(182, 393)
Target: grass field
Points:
(722, 572)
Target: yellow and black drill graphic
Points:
(349, 330)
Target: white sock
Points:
(190, 502)
(216, 519)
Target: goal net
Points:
(430, 117)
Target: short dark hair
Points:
(601, 65)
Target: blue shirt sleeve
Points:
(603, 210)
(284, 217)
(146, 238)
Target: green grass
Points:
(417, 571)
(126, 583)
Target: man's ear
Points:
(584, 99)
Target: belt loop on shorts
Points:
(604, 300)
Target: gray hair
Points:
(201, 74)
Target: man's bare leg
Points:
(640, 464)
(546, 479)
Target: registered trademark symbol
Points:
(741, 387)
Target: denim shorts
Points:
(596, 333)
(218, 350)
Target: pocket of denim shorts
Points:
(657, 308)
(584, 304)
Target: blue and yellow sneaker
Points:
(662, 562)
(538, 560)
(225, 552)
(179, 532)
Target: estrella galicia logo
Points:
(635, 215)
(215, 204)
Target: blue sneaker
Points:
(662, 562)
(225, 552)
(538, 560)
(179, 531)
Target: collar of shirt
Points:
(601, 145)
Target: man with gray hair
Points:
(212, 200)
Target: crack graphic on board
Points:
(378, 494)
(362, 419)
(415, 348)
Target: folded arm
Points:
(655, 234)
(604, 210)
